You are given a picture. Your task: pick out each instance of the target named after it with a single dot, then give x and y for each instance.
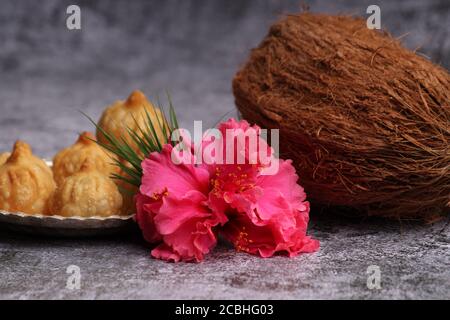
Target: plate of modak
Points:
(73, 195)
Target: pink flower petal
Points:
(174, 212)
(162, 176)
(144, 218)
(192, 240)
(164, 252)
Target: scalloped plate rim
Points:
(62, 218)
(38, 225)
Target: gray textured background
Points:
(191, 48)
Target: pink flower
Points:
(172, 208)
(181, 206)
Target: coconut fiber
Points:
(366, 121)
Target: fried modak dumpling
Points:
(69, 160)
(130, 114)
(3, 157)
(26, 182)
(128, 191)
(87, 193)
(128, 206)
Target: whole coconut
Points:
(366, 121)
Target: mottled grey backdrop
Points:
(191, 48)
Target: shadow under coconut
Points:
(325, 221)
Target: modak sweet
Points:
(130, 114)
(26, 182)
(87, 193)
(128, 192)
(3, 157)
(69, 160)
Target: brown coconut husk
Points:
(366, 121)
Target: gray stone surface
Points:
(191, 48)
(413, 260)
